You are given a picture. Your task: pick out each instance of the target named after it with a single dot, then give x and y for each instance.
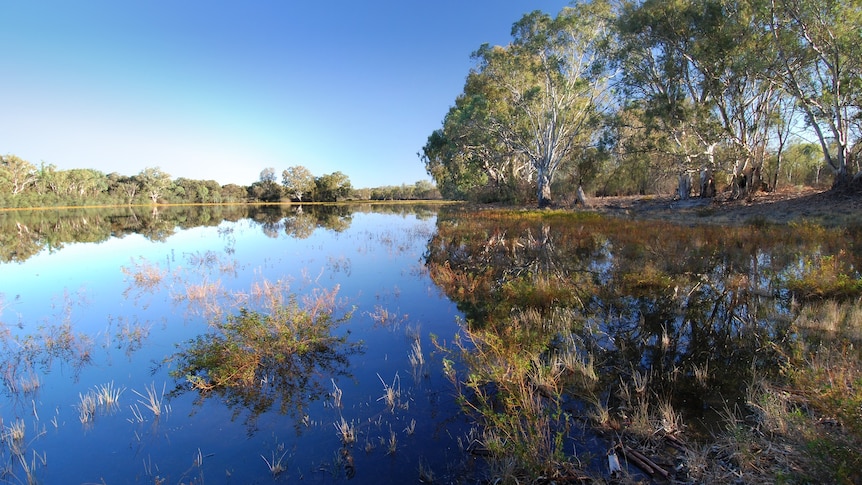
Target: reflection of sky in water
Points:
(375, 262)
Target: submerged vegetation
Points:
(736, 347)
(253, 359)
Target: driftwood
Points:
(641, 461)
(676, 443)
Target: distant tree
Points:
(154, 182)
(16, 174)
(85, 182)
(332, 188)
(232, 193)
(266, 189)
(209, 191)
(297, 181)
(46, 179)
(268, 175)
(197, 191)
(128, 190)
(424, 189)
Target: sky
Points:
(222, 90)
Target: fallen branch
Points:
(641, 461)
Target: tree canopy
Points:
(619, 97)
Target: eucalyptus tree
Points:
(154, 182)
(553, 86)
(85, 182)
(332, 188)
(16, 174)
(702, 71)
(297, 181)
(267, 188)
(819, 43)
(465, 158)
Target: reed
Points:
(86, 407)
(13, 436)
(669, 421)
(276, 464)
(336, 395)
(108, 396)
(29, 383)
(393, 443)
(391, 393)
(417, 360)
(426, 474)
(346, 431)
(30, 467)
(144, 275)
(152, 400)
(137, 415)
(701, 374)
(411, 428)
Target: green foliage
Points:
(527, 110)
(332, 188)
(701, 86)
(660, 322)
(825, 276)
(254, 359)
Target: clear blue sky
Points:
(221, 90)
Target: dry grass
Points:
(346, 431)
(391, 393)
(153, 400)
(276, 464)
(86, 407)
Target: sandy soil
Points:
(826, 207)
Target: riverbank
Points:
(825, 207)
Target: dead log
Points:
(641, 461)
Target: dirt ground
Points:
(825, 207)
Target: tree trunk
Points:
(544, 189)
(707, 184)
(582, 197)
(684, 188)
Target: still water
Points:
(115, 324)
(110, 312)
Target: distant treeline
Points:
(22, 184)
(26, 233)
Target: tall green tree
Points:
(554, 81)
(818, 43)
(528, 108)
(704, 73)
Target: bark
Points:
(582, 197)
(707, 184)
(544, 189)
(684, 188)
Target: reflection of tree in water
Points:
(254, 360)
(25, 356)
(26, 233)
(648, 299)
